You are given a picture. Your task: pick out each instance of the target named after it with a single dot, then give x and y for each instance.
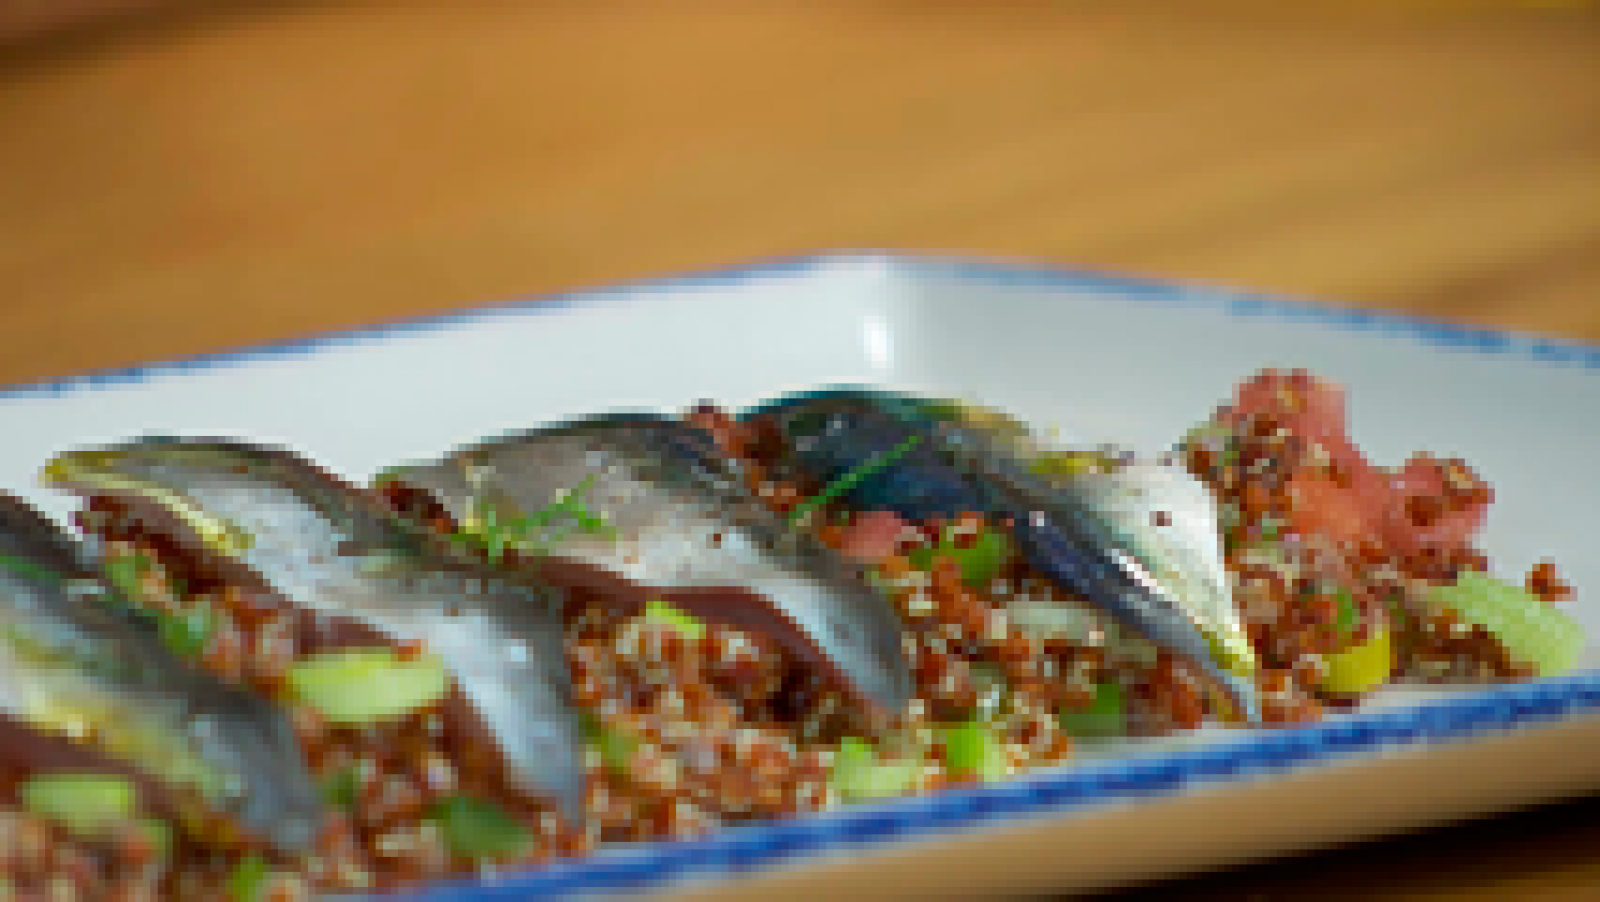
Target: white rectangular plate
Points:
(1106, 359)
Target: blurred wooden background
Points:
(215, 175)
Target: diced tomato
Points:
(872, 535)
(1322, 507)
(1423, 515)
(1307, 406)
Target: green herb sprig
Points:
(537, 532)
(853, 478)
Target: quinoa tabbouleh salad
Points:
(639, 626)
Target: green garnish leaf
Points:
(86, 804)
(536, 532)
(477, 829)
(658, 611)
(851, 479)
(248, 881)
(365, 686)
(342, 788)
(1105, 716)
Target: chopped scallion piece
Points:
(248, 882)
(979, 561)
(860, 773)
(1105, 716)
(86, 804)
(1349, 616)
(477, 829)
(342, 788)
(851, 479)
(658, 611)
(360, 687)
(971, 749)
(23, 567)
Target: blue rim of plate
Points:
(740, 851)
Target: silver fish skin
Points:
(681, 516)
(327, 547)
(1160, 521)
(71, 657)
(1099, 533)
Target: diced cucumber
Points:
(477, 829)
(1105, 716)
(361, 687)
(1361, 668)
(1531, 630)
(86, 804)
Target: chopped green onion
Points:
(1529, 629)
(616, 749)
(159, 833)
(972, 749)
(658, 611)
(187, 633)
(849, 480)
(476, 829)
(979, 562)
(1105, 716)
(1349, 616)
(1270, 528)
(361, 687)
(24, 567)
(1361, 668)
(342, 788)
(126, 573)
(615, 746)
(86, 804)
(859, 773)
(249, 879)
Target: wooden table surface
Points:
(191, 180)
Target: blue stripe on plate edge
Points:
(741, 850)
(987, 272)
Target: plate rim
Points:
(991, 271)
